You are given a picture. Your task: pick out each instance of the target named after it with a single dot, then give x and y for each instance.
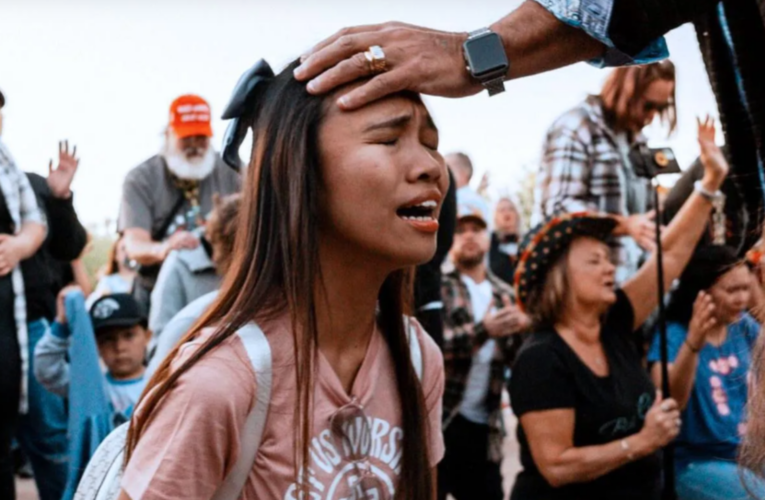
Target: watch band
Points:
(495, 86)
(711, 197)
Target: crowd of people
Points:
(342, 316)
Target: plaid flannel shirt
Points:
(585, 167)
(22, 205)
(463, 336)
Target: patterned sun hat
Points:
(546, 242)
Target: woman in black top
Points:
(591, 424)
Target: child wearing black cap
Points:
(122, 336)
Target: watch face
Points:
(486, 54)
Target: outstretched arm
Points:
(431, 62)
(681, 236)
(539, 36)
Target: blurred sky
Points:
(103, 74)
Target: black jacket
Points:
(427, 283)
(65, 242)
(502, 264)
(636, 23)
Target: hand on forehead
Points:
(407, 106)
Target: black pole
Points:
(669, 453)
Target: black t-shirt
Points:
(548, 375)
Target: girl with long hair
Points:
(117, 275)
(337, 208)
(710, 339)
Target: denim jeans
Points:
(42, 432)
(716, 480)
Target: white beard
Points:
(195, 170)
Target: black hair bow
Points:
(241, 109)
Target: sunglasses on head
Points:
(659, 107)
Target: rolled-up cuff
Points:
(594, 17)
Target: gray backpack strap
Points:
(259, 352)
(102, 477)
(414, 346)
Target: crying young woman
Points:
(338, 208)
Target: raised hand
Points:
(60, 178)
(702, 320)
(60, 302)
(483, 187)
(715, 165)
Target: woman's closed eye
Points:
(433, 146)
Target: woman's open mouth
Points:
(421, 216)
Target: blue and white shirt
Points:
(594, 17)
(714, 420)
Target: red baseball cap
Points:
(190, 116)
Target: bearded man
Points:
(166, 199)
(482, 334)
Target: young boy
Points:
(120, 328)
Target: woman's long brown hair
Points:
(112, 266)
(276, 265)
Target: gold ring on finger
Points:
(376, 59)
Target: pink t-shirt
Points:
(193, 441)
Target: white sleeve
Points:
(50, 365)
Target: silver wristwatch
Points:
(486, 59)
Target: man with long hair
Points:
(542, 35)
(586, 161)
(166, 199)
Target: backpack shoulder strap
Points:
(102, 477)
(415, 350)
(103, 474)
(259, 352)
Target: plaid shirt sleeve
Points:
(20, 197)
(564, 175)
(462, 336)
(594, 17)
(512, 343)
(29, 210)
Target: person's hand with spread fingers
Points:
(539, 36)
(60, 179)
(433, 62)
